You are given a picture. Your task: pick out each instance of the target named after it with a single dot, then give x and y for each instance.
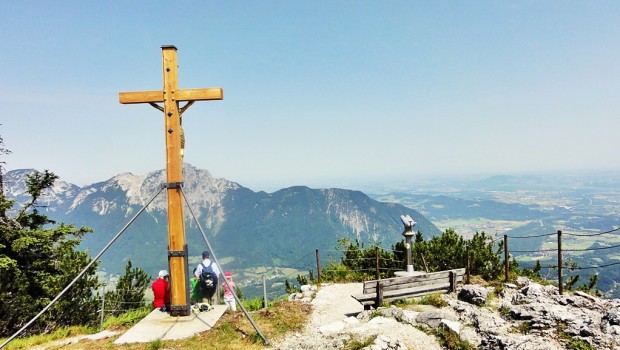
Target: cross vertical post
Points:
(174, 174)
(171, 95)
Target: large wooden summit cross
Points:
(171, 95)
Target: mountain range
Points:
(245, 228)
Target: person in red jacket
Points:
(161, 291)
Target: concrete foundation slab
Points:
(160, 325)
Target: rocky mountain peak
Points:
(283, 224)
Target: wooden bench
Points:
(375, 292)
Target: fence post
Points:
(377, 262)
(264, 292)
(318, 266)
(452, 281)
(506, 258)
(467, 267)
(102, 305)
(560, 286)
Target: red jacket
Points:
(161, 292)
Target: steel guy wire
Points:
(265, 341)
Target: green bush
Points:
(253, 304)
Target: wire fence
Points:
(559, 252)
(273, 288)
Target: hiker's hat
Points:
(163, 273)
(227, 274)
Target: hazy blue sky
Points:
(314, 91)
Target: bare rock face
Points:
(473, 294)
(533, 316)
(434, 318)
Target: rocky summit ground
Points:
(516, 316)
(334, 323)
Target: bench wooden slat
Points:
(366, 301)
(402, 282)
(408, 286)
(400, 293)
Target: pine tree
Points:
(38, 259)
(129, 292)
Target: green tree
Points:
(534, 273)
(418, 252)
(359, 263)
(38, 259)
(129, 292)
(571, 282)
(3, 151)
(445, 252)
(484, 259)
(449, 251)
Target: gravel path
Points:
(334, 323)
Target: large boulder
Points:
(612, 316)
(473, 294)
(434, 318)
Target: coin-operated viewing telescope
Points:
(408, 233)
(408, 222)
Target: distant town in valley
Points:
(584, 205)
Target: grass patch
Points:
(450, 340)
(155, 345)
(578, 344)
(36, 340)
(233, 331)
(358, 344)
(523, 328)
(429, 299)
(126, 319)
(375, 313)
(504, 311)
(434, 300)
(572, 344)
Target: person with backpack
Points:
(207, 274)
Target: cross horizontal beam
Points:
(205, 94)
